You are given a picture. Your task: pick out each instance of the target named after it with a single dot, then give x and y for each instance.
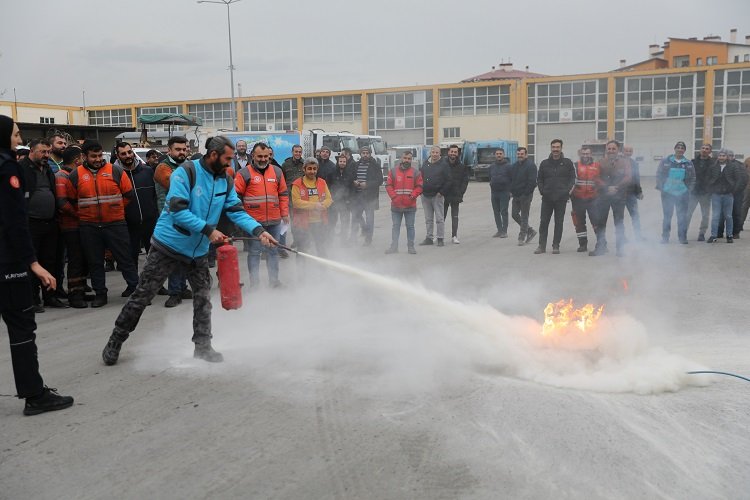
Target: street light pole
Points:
(231, 62)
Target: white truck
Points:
(379, 150)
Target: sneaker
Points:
(391, 250)
(48, 400)
(582, 248)
(701, 237)
(497, 234)
(455, 240)
(427, 241)
(283, 253)
(54, 302)
(367, 242)
(111, 352)
(530, 234)
(162, 291)
(276, 284)
(128, 291)
(173, 301)
(100, 300)
(684, 242)
(207, 353)
(503, 235)
(711, 239)
(521, 242)
(597, 251)
(186, 294)
(412, 250)
(730, 239)
(440, 242)
(555, 250)
(540, 250)
(664, 240)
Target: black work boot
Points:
(48, 400)
(100, 300)
(207, 353)
(583, 244)
(111, 352)
(77, 300)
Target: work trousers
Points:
(408, 217)
(581, 207)
(140, 236)
(548, 208)
(500, 200)
(316, 232)
(339, 212)
(77, 269)
(721, 211)
(434, 215)
(631, 203)
(670, 204)
(44, 235)
(519, 210)
(272, 257)
(737, 220)
(363, 216)
(16, 311)
(453, 205)
(156, 269)
(603, 205)
(114, 237)
(704, 200)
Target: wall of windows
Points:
(111, 117)
(401, 111)
(281, 114)
(339, 108)
(216, 115)
(731, 97)
(473, 101)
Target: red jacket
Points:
(587, 180)
(264, 194)
(101, 194)
(404, 187)
(301, 217)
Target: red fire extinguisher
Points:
(228, 271)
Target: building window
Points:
(401, 110)
(216, 115)
(699, 61)
(712, 60)
(472, 101)
(157, 110)
(734, 90)
(48, 120)
(339, 108)
(656, 97)
(747, 58)
(681, 61)
(570, 101)
(111, 117)
(261, 116)
(452, 132)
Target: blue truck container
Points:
(479, 155)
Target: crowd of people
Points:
(80, 211)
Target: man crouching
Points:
(198, 194)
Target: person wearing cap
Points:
(17, 263)
(723, 179)
(675, 178)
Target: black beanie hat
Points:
(6, 130)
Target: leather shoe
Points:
(55, 303)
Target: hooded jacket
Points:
(675, 176)
(16, 250)
(143, 205)
(523, 178)
(556, 178)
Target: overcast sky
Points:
(158, 50)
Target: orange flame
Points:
(561, 318)
(625, 286)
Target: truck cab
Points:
(379, 151)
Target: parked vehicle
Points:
(479, 155)
(379, 151)
(310, 140)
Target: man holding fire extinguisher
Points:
(199, 192)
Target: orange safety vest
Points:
(587, 177)
(264, 195)
(102, 194)
(301, 218)
(66, 202)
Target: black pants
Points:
(44, 237)
(519, 211)
(548, 208)
(453, 205)
(140, 236)
(603, 204)
(77, 270)
(114, 237)
(16, 312)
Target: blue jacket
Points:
(675, 177)
(190, 215)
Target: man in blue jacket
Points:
(199, 192)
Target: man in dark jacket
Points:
(367, 178)
(41, 203)
(17, 263)
(500, 181)
(615, 182)
(738, 194)
(522, 186)
(436, 182)
(700, 194)
(556, 178)
(341, 186)
(459, 182)
(326, 168)
(635, 192)
(722, 181)
(142, 212)
(293, 169)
